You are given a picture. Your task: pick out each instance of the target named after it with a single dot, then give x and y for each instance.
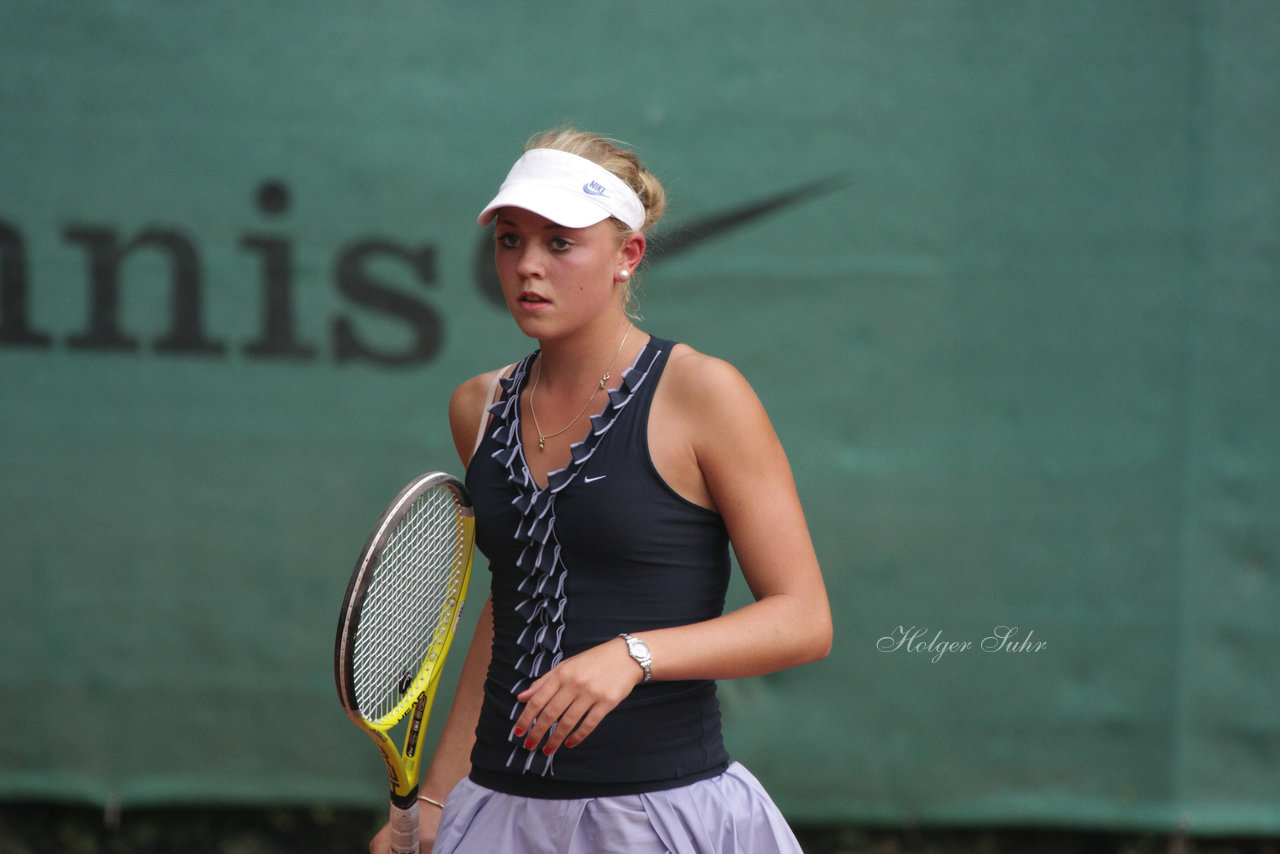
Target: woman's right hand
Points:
(428, 824)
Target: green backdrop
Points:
(1005, 275)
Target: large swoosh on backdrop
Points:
(680, 238)
(691, 235)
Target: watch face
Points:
(641, 649)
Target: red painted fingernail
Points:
(519, 732)
(547, 750)
(529, 744)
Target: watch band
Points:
(639, 652)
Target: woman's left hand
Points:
(575, 695)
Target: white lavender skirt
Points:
(728, 814)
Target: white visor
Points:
(567, 189)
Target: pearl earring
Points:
(624, 274)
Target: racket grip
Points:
(404, 825)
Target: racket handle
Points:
(404, 826)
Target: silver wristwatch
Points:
(640, 652)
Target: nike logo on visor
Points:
(593, 189)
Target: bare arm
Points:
(748, 480)
(452, 758)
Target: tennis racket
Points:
(398, 619)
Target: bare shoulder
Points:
(709, 387)
(704, 378)
(705, 420)
(467, 406)
(725, 422)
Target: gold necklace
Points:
(543, 437)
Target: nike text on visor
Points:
(567, 189)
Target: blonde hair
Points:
(622, 163)
(618, 160)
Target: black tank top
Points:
(606, 547)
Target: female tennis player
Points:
(611, 471)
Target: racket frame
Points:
(403, 763)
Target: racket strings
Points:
(410, 602)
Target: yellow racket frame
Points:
(403, 763)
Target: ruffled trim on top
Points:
(545, 574)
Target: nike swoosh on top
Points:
(594, 479)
